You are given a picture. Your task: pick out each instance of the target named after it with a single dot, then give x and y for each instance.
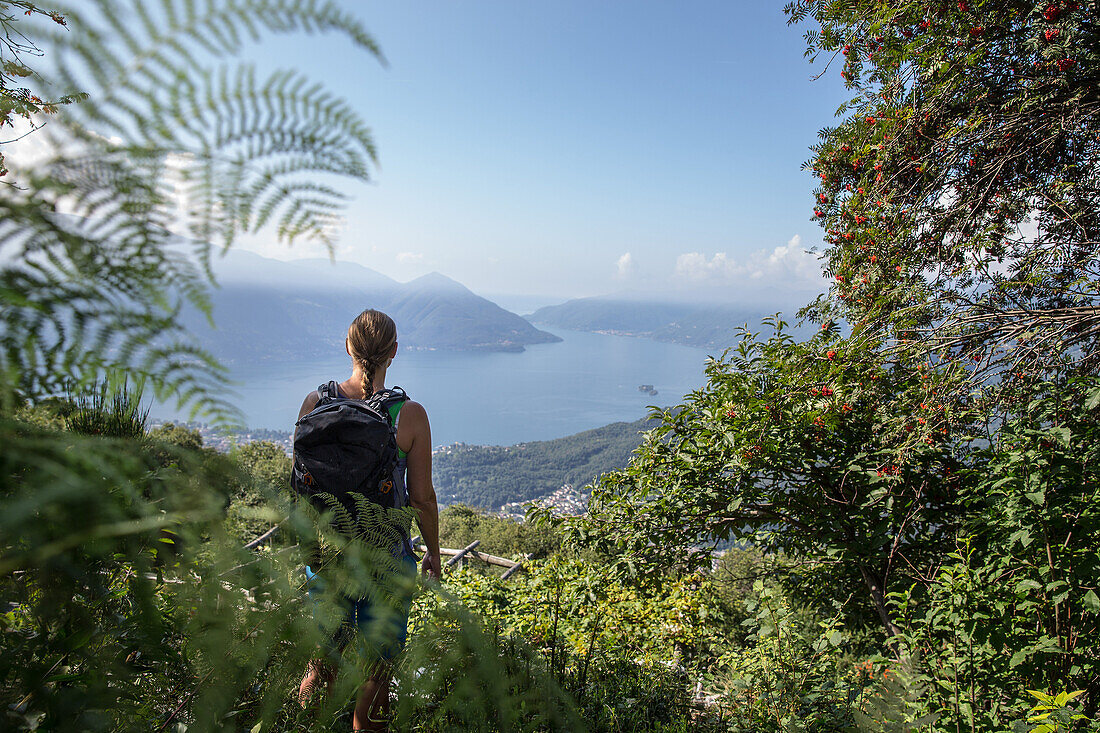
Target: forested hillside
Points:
(490, 476)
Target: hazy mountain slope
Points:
(693, 325)
(443, 314)
(270, 310)
(604, 314)
(239, 267)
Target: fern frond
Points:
(103, 285)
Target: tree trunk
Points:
(878, 598)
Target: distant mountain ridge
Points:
(266, 309)
(702, 325)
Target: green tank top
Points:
(395, 410)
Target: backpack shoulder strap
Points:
(389, 402)
(395, 404)
(327, 392)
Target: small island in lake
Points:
(648, 389)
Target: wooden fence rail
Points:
(458, 557)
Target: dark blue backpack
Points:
(346, 450)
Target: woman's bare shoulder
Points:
(414, 412)
(309, 403)
(413, 431)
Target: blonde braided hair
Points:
(371, 338)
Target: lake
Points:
(548, 391)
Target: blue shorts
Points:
(377, 629)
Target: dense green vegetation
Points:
(491, 476)
(459, 525)
(913, 493)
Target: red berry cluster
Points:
(1051, 13)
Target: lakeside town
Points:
(566, 501)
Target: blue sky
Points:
(567, 148)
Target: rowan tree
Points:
(961, 192)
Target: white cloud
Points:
(624, 266)
(28, 147)
(410, 258)
(788, 266)
(695, 265)
(1028, 230)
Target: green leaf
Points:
(1092, 603)
(1023, 536)
(1017, 659)
(1027, 584)
(1062, 435)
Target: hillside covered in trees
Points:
(491, 476)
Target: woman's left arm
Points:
(419, 479)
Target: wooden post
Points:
(515, 568)
(461, 554)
